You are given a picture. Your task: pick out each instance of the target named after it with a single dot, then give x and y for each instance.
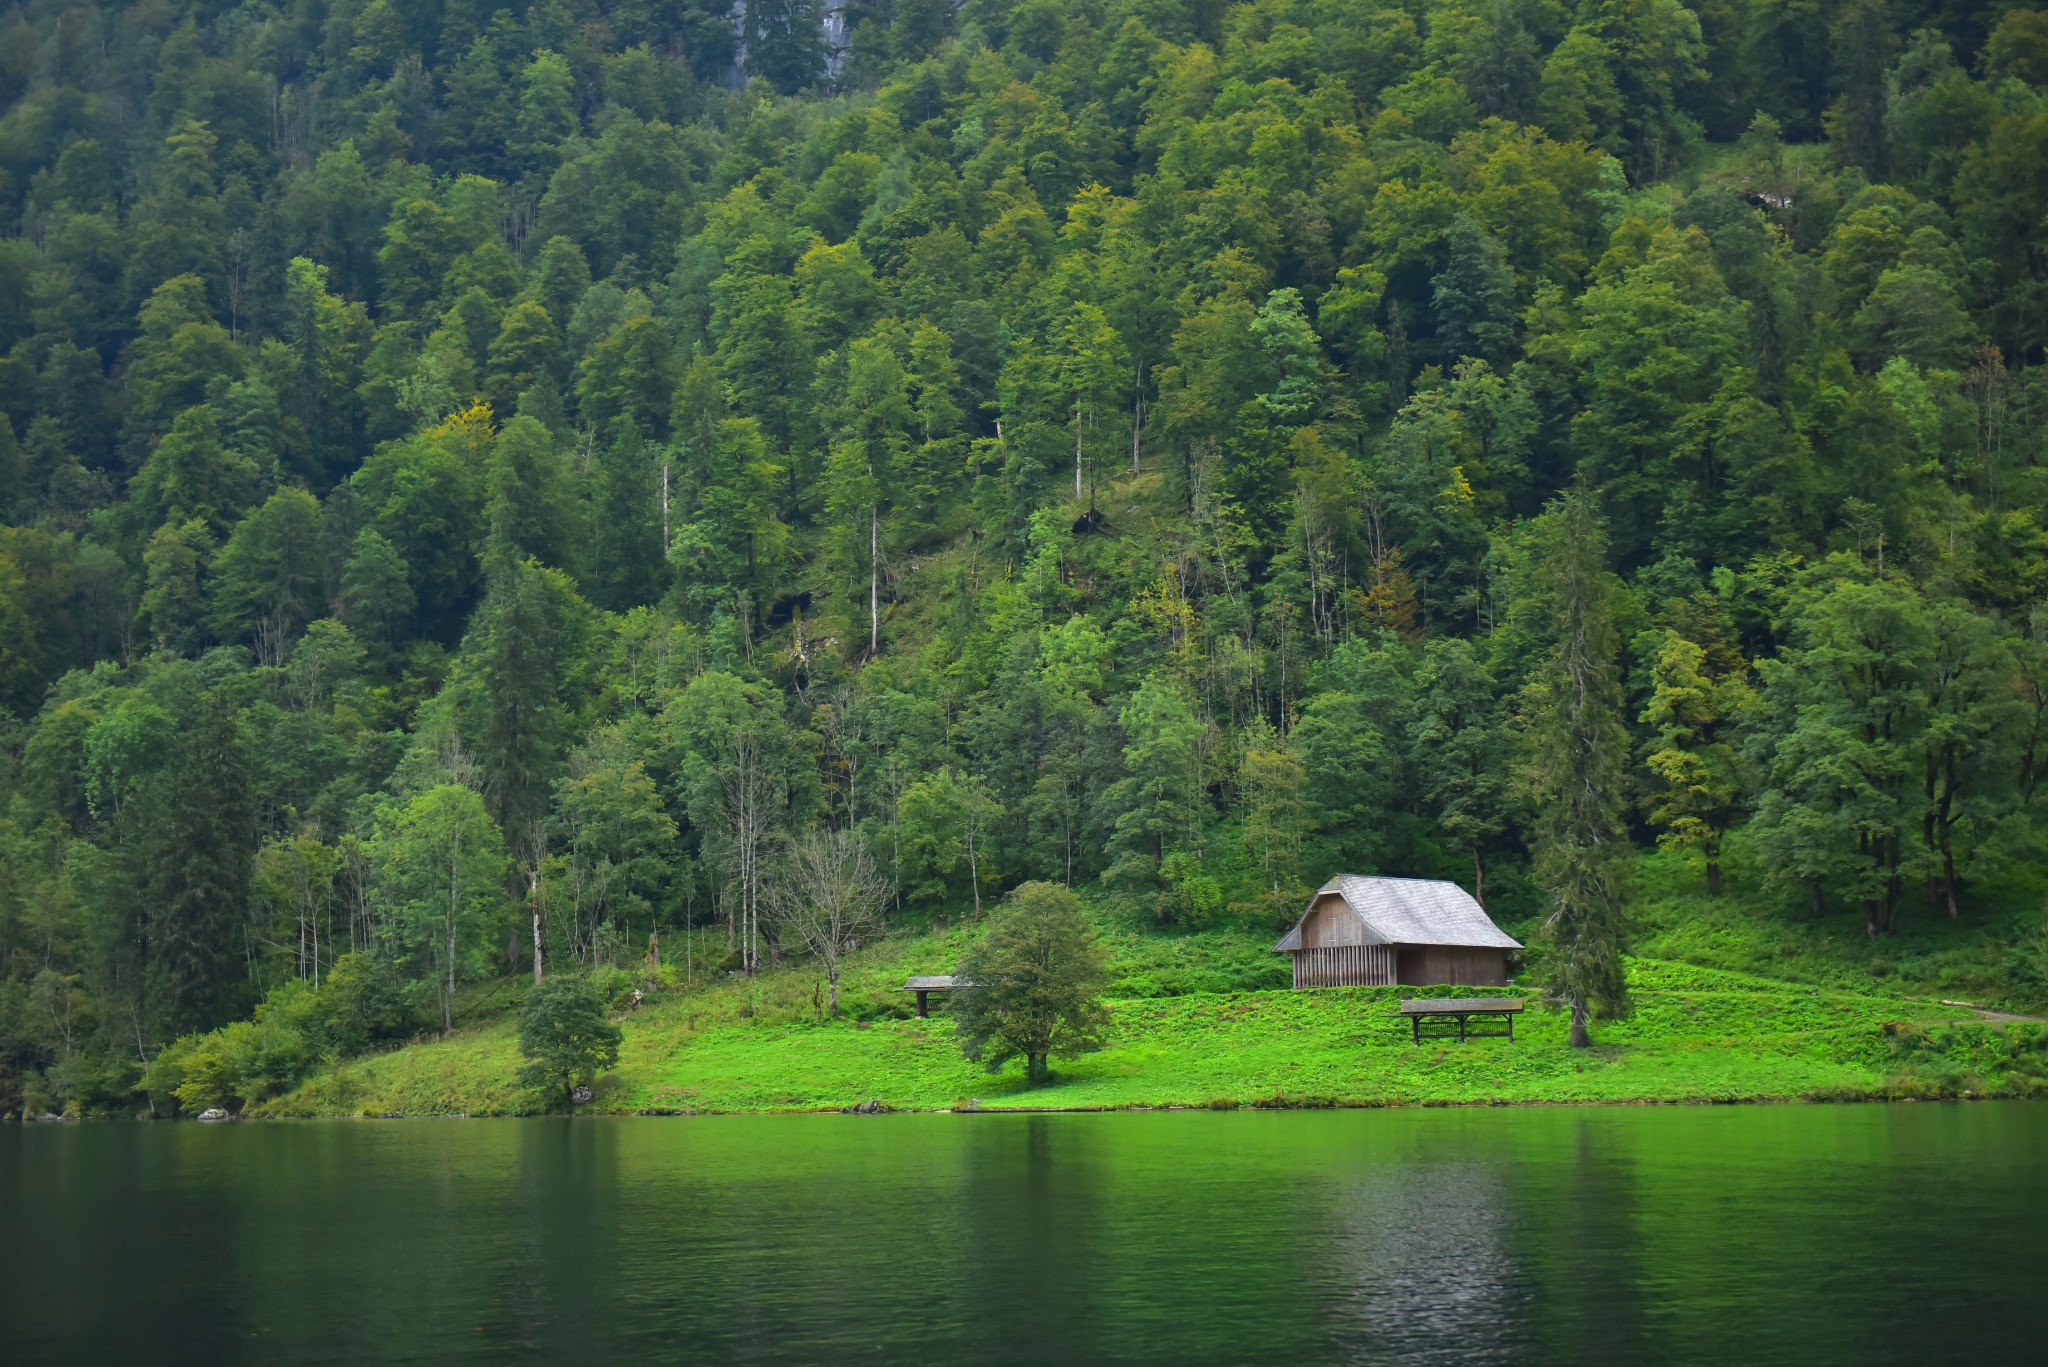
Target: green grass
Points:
(1736, 1000)
(1697, 1035)
(1996, 955)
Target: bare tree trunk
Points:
(533, 902)
(448, 985)
(1077, 452)
(1478, 878)
(1580, 1037)
(874, 581)
(971, 827)
(1137, 413)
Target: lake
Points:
(1795, 1234)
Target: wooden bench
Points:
(925, 986)
(1463, 1009)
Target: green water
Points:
(1799, 1234)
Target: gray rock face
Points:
(832, 23)
(580, 1095)
(215, 1114)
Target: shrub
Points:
(614, 986)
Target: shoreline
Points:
(1866, 1098)
(1696, 1037)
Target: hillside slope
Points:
(1696, 1035)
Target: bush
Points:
(614, 986)
(234, 1066)
(295, 1027)
(1192, 898)
(359, 1005)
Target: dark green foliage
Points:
(565, 1037)
(1474, 296)
(1038, 975)
(525, 658)
(376, 590)
(1099, 445)
(1579, 753)
(194, 850)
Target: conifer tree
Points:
(376, 591)
(1577, 771)
(197, 852)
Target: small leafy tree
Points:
(1694, 711)
(1037, 981)
(440, 867)
(565, 1037)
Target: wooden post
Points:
(921, 1010)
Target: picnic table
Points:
(926, 985)
(1462, 1010)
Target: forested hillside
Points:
(464, 465)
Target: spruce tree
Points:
(1474, 295)
(525, 638)
(1577, 770)
(377, 599)
(197, 854)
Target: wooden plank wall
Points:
(1344, 966)
(1331, 922)
(1423, 967)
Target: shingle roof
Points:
(1411, 911)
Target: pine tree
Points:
(197, 853)
(1580, 753)
(1474, 295)
(525, 640)
(376, 591)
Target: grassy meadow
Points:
(1731, 1004)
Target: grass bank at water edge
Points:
(1697, 1035)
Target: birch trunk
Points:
(533, 901)
(448, 983)
(1137, 413)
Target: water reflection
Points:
(1422, 1267)
(1794, 1235)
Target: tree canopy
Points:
(482, 482)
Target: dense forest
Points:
(482, 480)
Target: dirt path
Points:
(1986, 1013)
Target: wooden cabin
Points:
(1373, 932)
